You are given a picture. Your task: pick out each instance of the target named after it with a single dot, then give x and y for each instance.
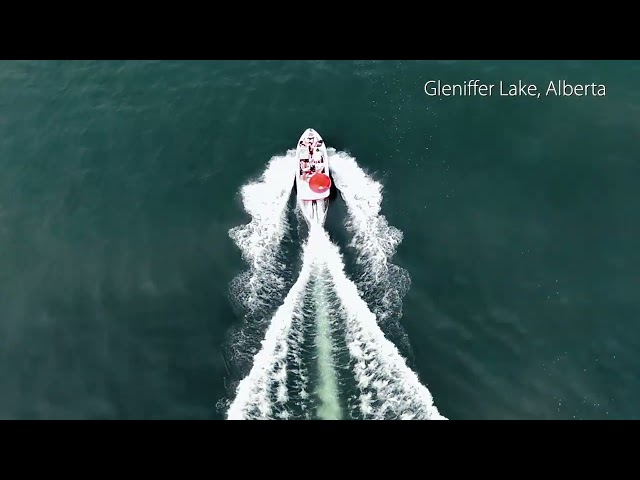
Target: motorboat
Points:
(313, 180)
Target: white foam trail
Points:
(260, 288)
(389, 388)
(382, 283)
(299, 377)
(327, 390)
(259, 240)
(253, 398)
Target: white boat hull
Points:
(311, 157)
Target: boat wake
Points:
(258, 290)
(381, 283)
(321, 353)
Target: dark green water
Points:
(119, 184)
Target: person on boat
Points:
(304, 165)
(312, 170)
(318, 161)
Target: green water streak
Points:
(327, 390)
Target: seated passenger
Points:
(318, 160)
(304, 164)
(304, 158)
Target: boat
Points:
(313, 181)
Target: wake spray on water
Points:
(382, 283)
(262, 286)
(263, 394)
(327, 390)
(259, 241)
(268, 377)
(389, 389)
(277, 385)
